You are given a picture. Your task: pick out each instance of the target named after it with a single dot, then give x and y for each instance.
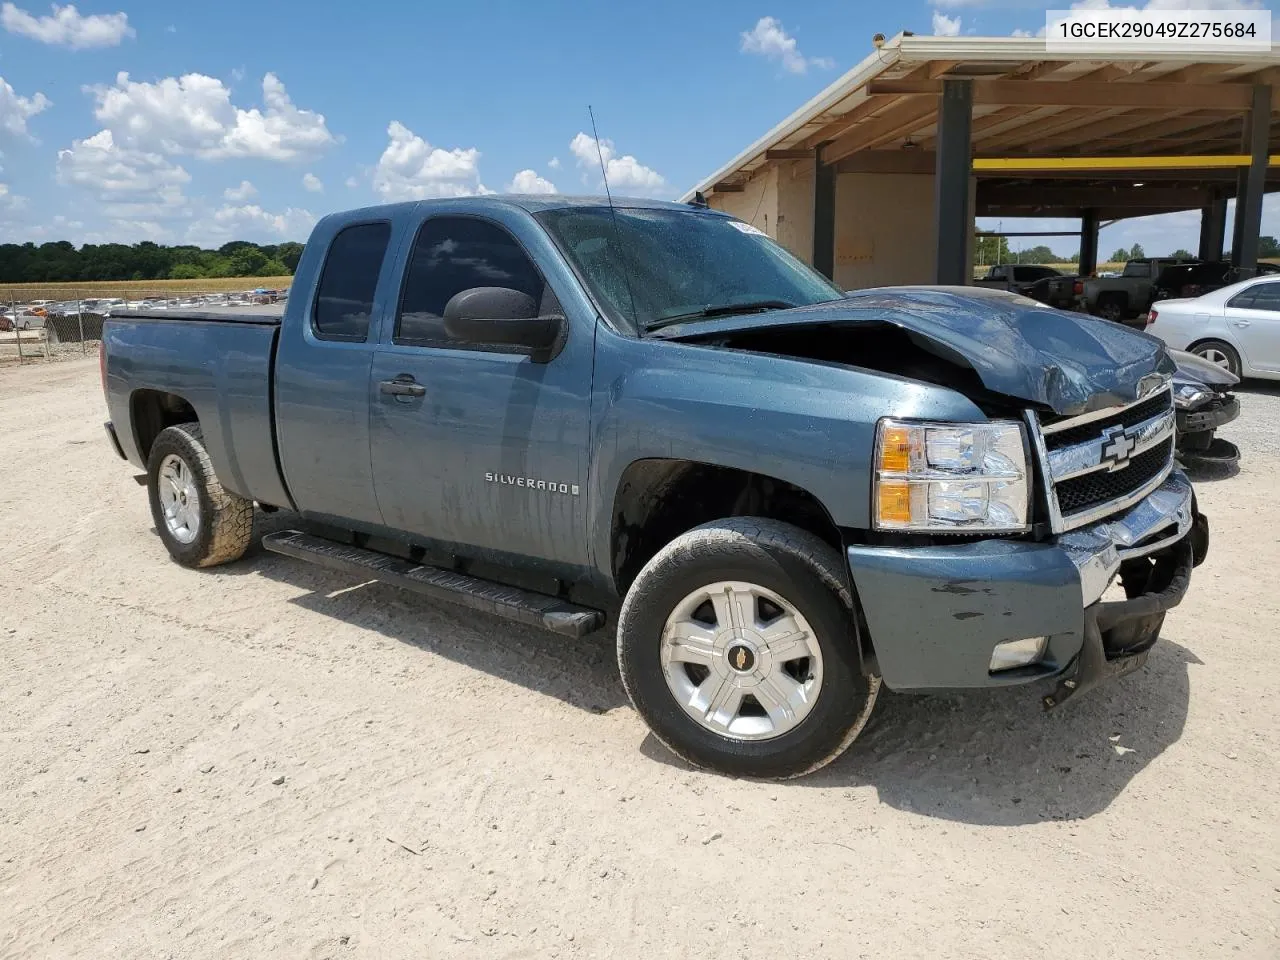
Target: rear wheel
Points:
(1223, 354)
(738, 645)
(200, 522)
(1111, 307)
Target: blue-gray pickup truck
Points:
(570, 414)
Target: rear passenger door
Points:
(1253, 316)
(322, 375)
(489, 451)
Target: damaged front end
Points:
(1204, 402)
(1096, 401)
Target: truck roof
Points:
(533, 203)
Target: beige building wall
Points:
(885, 222)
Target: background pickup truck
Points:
(1045, 284)
(1127, 297)
(563, 413)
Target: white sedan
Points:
(1237, 327)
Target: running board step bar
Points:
(511, 603)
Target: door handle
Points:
(403, 386)
(1240, 322)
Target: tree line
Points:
(61, 261)
(994, 249)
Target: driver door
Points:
(486, 451)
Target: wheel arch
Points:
(658, 499)
(151, 411)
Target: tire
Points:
(220, 523)
(1219, 352)
(787, 568)
(1112, 307)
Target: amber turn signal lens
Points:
(895, 450)
(895, 502)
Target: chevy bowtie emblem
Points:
(740, 660)
(1117, 447)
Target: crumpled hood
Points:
(1071, 363)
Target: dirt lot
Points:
(272, 760)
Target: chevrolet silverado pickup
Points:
(573, 414)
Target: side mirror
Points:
(505, 317)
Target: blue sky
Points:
(133, 119)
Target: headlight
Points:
(956, 477)
(1188, 395)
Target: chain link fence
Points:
(64, 321)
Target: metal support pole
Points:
(17, 332)
(954, 166)
(1213, 229)
(80, 318)
(1249, 206)
(1088, 242)
(824, 216)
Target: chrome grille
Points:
(1100, 463)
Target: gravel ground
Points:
(269, 759)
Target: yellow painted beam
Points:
(1000, 164)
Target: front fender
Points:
(808, 423)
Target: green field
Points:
(133, 289)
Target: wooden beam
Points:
(788, 154)
(725, 187)
(842, 125)
(1133, 124)
(1083, 93)
(895, 123)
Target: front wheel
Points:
(201, 523)
(738, 646)
(1222, 354)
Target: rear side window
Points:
(1261, 296)
(348, 281)
(453, 254)
(1132, 269)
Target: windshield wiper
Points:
(720, 310)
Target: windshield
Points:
(657, 266)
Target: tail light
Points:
(1151, 316)
(1078, 287)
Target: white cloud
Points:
(11, 202)
(944, 26)
(241, 193)
(625, 172)
(554, 163)
(352, 182)
(1019, 32)
(99, 163)
(312, 183)
(193, 114)
(771, 41)
(528, 181)
(412, 169)
(15, 111)
(250, 222)
(67, 27)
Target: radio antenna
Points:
(613, 215)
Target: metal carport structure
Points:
(878, 178)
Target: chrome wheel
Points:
(1213, 355)
(741, 660)
(179, 499)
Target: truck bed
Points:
(219, 360)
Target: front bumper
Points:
(935, 613)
